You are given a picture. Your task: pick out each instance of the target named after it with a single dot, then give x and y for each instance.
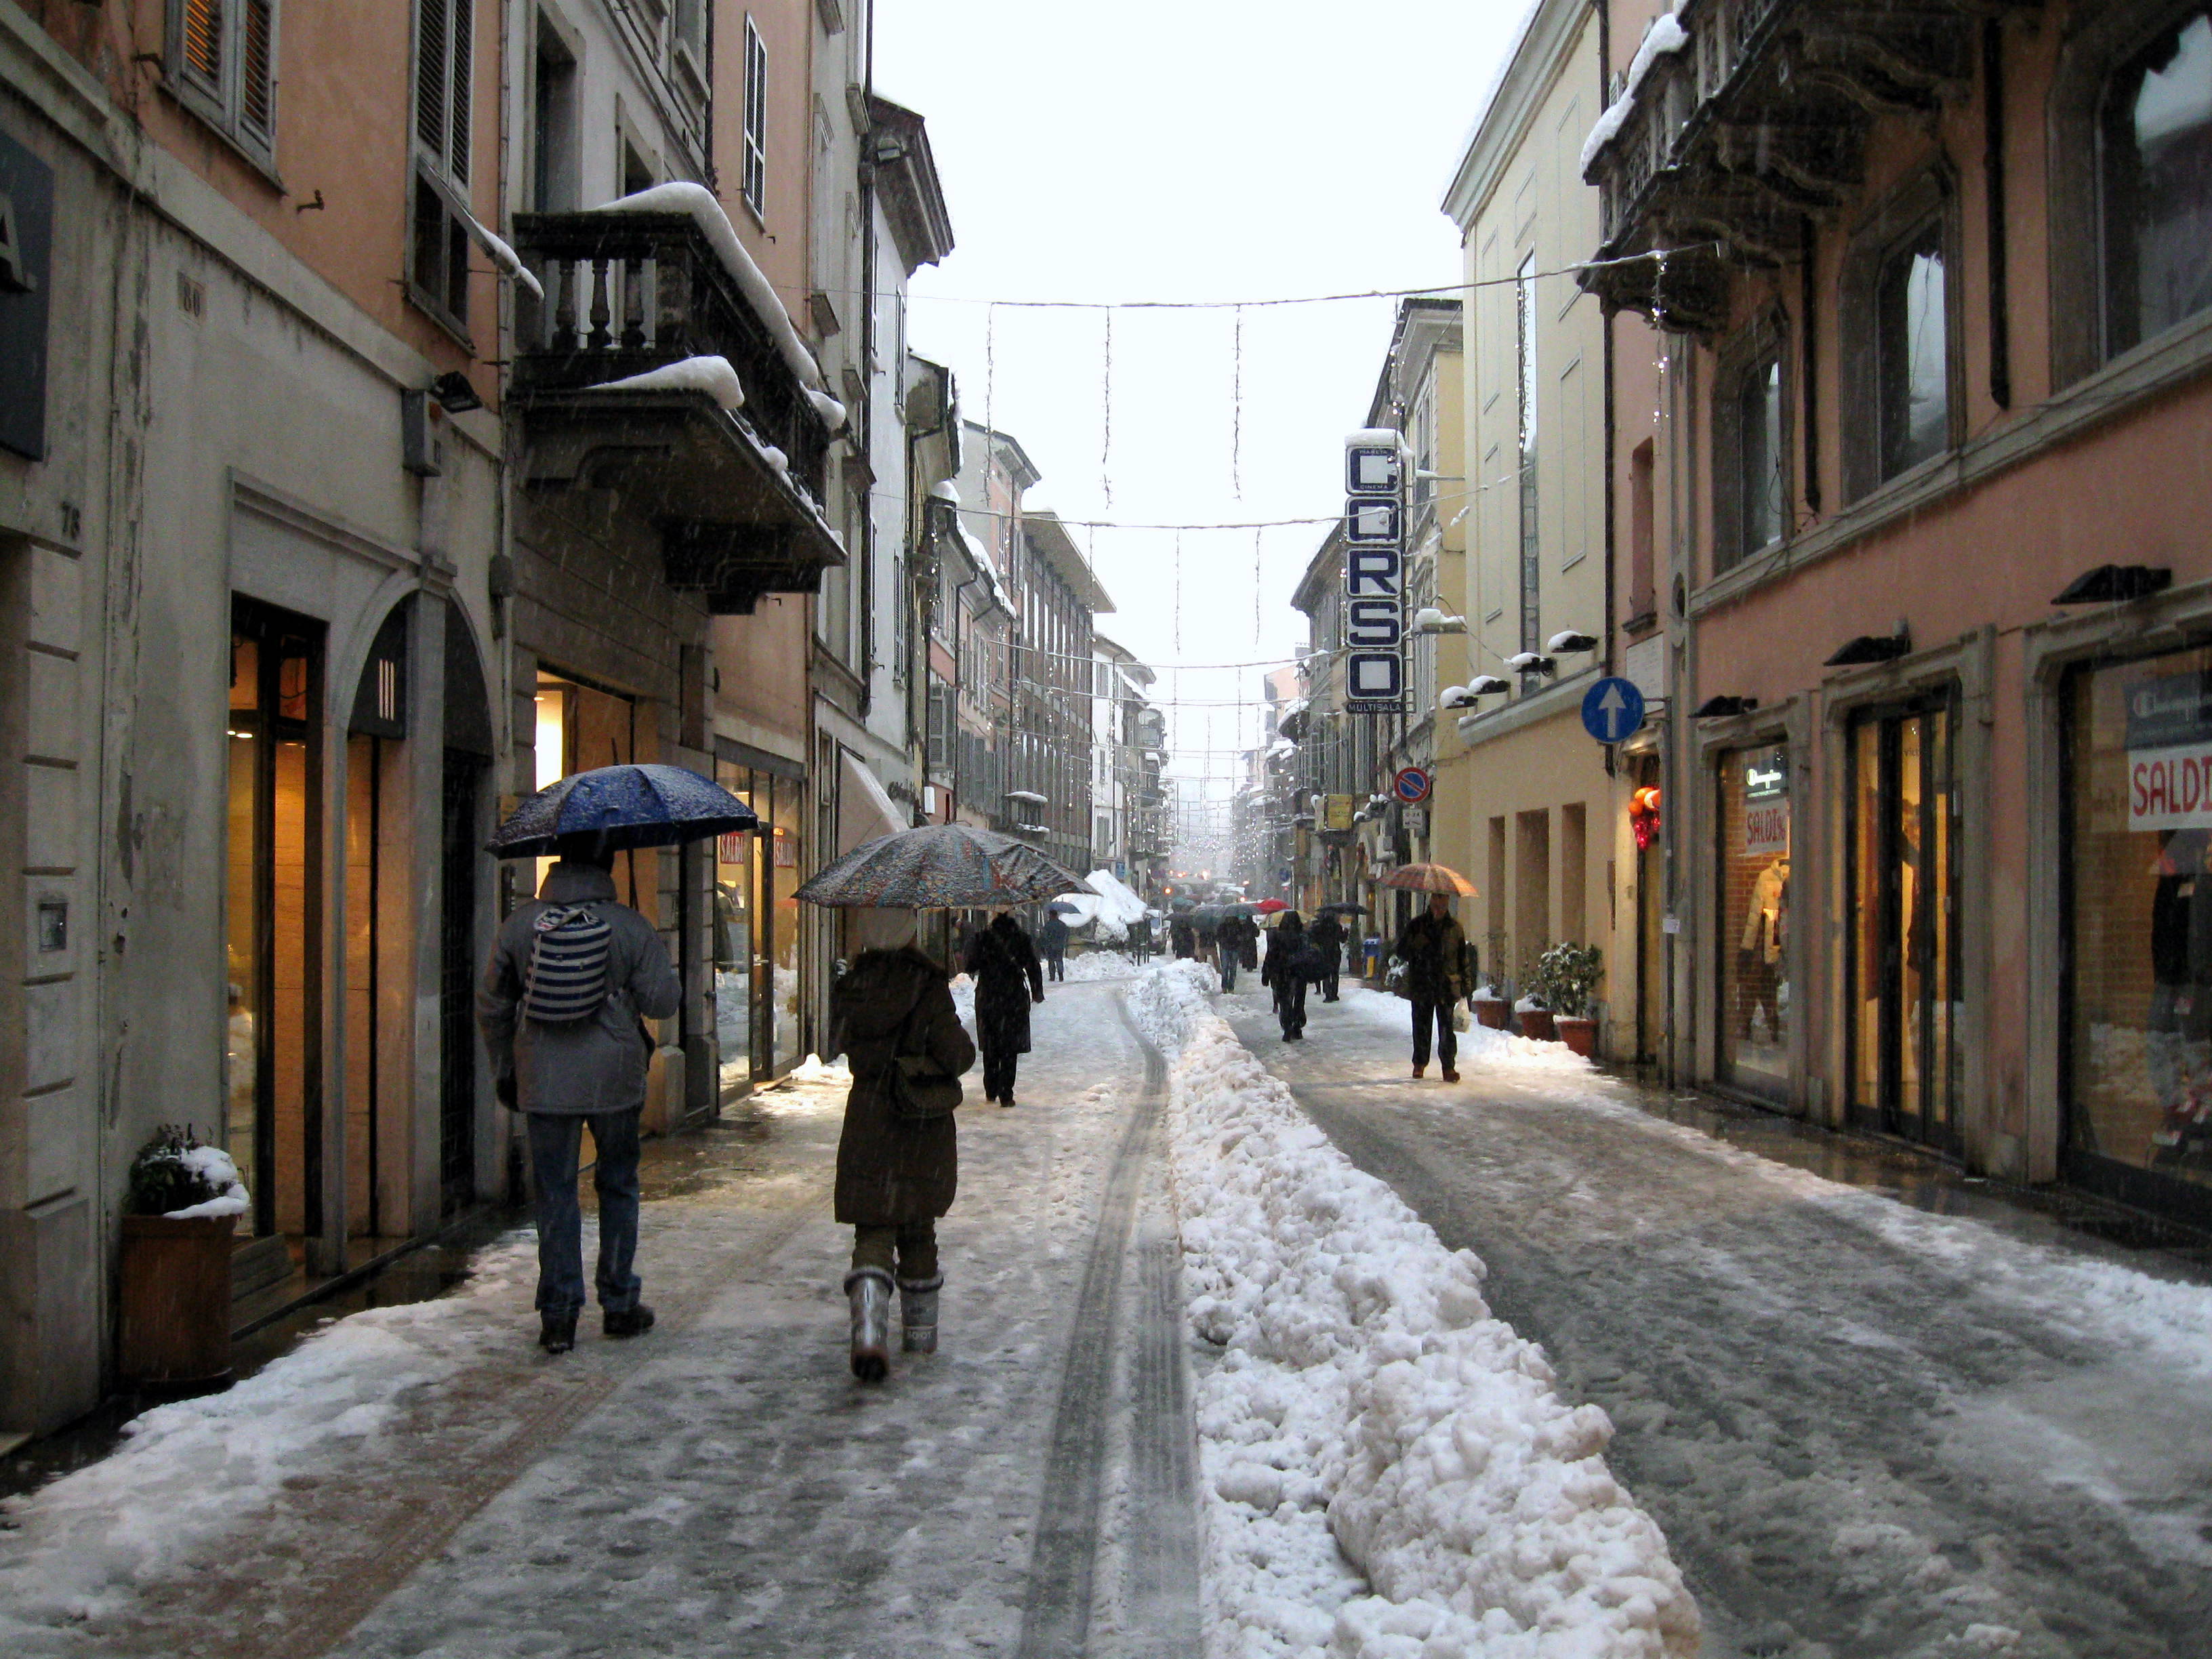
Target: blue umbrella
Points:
(614, 807)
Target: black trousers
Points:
(997, 1071)
(1440, 1014)
(1056, 964)
(1329, 985)
(1291, 1006)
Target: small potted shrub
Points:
(1568, 975)
(1491, 1010)
(179, 1215)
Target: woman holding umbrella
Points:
(573, 977)
(893, 1018)
(1003, 962)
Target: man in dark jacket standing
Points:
(1439, 971)
(1287, 971)
(588, 1068)
(1239, 947)
(1051, 941)
(1000, 960)
(895, 1175)
(1326, 937)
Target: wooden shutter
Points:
(199, 46)
(433, 55)
(461, 27)
(256, 70)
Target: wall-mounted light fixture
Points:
(2115, 584)
(1570, 643)
(1531, 662)
(1721, 709)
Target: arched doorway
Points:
(464, 872)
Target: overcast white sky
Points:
(1197, 151)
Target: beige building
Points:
(1526, 805)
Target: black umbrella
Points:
(1341, 910)
(613, 807)
(1062, 908)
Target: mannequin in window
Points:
(1759, 952)
(2180, 1042)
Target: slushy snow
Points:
(1387, 1472)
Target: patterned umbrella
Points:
(612, 807)
(1431, 878)
(941, 866)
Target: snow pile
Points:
(504, 258)
(814, 1069)
(191, 1472)
(712, 376)
(1665, 37)
(213, 1166)
(1116, 899)
(696, 200)
(1366, 1400)
(1099, 964)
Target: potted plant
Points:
(1491, 1010)
(1567, 975)
(179, 1214)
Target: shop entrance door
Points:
(1903, 939)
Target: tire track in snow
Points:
(1057, 1614)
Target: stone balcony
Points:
(1734, 148)
(727, 466)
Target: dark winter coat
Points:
(1326, 936)
(596, 1064)
(1182, 939)
(1052, 937)
(1004, 966)
(1239, 935)
(893, 1171)
(1290, 956)
(1439, 968)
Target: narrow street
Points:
(1855, 1421)
(722, 1484)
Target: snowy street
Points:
(422, 1480)
(1865, 1429)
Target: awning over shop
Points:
(864, 810)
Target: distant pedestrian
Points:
(1326, 937)
(1003, 962)
(573, 977)
(1439, 971)
(1052, 944)
(1289, 961)
(896, 1172)
(1239, 948)
(1140, 940)
(1182, 940)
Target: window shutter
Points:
(201, 43)
(459, 23)
(256, 88)
(433, 50)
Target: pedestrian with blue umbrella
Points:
(573, 976)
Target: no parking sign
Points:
(1411, 786)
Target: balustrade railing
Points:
(626, 293)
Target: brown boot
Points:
(1420, 1071)
(1451, 1076)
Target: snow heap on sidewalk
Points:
(1365, 1399)
(193, 1471)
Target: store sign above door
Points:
(1374, 573)
(2169, 753)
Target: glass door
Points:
(1902, 972)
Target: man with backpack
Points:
(573, 977)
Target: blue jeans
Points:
(555, 1142)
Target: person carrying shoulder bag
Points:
(891, 1016)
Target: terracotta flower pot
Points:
(1536, 1024)
(1493, 1013)
(175, 1306)
(1579, 1035)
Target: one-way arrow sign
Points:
(1612, 709)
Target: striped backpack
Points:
(568, 977)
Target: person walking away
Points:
(1001, 959)
(1052, 943)
(1326, 937)
(1182, 939)
(896, 1173)
(1289, 958)
(572, 979)
(1439, 971)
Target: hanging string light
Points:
(1106, 437)
(1178, 591)
(1256, 534)
(1237, 411)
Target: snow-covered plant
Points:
(1566, 976)
(176, 1175)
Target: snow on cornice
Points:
(1665, 37)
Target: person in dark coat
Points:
(1238, 941)
(1182, 939)
(1326, 937)
(1285, 970)
(1439, 971)
(563, 1075)
(1052, 943)
(1000, 960)
(895, 1175)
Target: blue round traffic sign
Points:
(1612, 709)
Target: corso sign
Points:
(1374, 573)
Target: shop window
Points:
(1755, 1004)
(2138, 874)
(2157, 185)
(1902, 951)
(273, 912)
